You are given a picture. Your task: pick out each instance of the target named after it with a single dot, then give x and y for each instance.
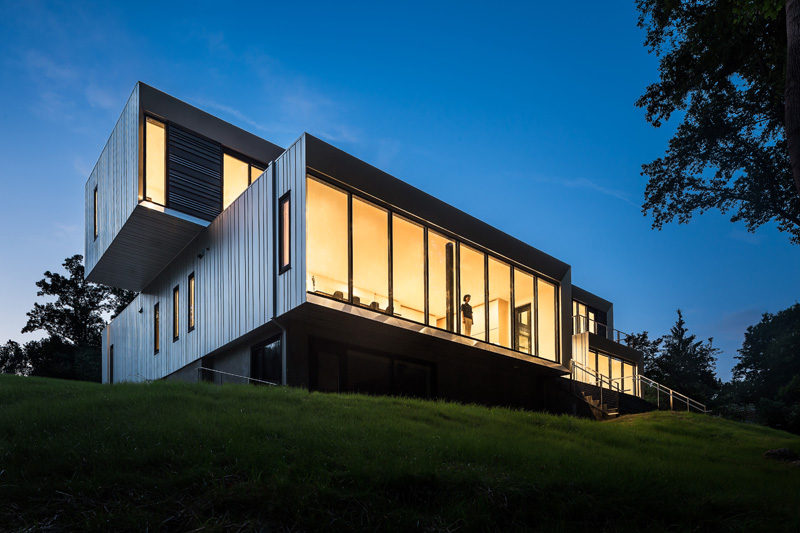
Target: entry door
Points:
(522, 316)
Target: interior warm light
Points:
(155, 161)
(546, 314)
(234, 179)
(326, 240)
(523, 311)
(408, 269)
(370, 255)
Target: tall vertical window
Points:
(176, 303)
(472, 278)
(628, 383)
(441, 282)
(255, 173)
(523, 312)
(111, 364)
(155, 161)
(499, 303)
(547, 325)
(190, 303)
(156, 327)
(235, 178)
(95, 214)
(408, 269)
(285, 234)
(326, 240)
(370, 255)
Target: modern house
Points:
(306, 266)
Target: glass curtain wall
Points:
(347, 248)
(499, 303)
(441, 282)
(472, 277)
(546, 325)
(408, 269)
(326, 240)
(370, 255)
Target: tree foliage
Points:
(722, 68)
(768, 368)
(680, 361)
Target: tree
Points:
(687, 364)
(723, 67)
(768, 368)
(13, 359)
(76, 315)
(649, 349)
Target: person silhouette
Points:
(466, 314)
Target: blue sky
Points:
(520, 115)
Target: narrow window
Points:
(441, 282)
(255, 173)
(95, 212)
(547, 326)
(155, 157)
(408, 269)
(176, 303)
(284, 230)
(190, 303)
(472, 276)
(156, 336)
(326, 240)
(111, 364)
(370, 255)
(235, 178)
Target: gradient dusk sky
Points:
(522, 116)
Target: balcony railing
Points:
(583, 323)
(637, 385)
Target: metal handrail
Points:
(249, 379)
(580, 324)
(638, 381)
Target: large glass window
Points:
(546, 313)
(441, 282)
(326, 240)
(408, 269)
(235, 178)
(370, 255)
(255, 173)
(629, 385)
(523, 312)
(155, 155)
(266, 362)
(472, 276)
(616, 373)
(499, 303)
(603, 367)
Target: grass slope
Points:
(176, 456)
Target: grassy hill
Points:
(173, 456)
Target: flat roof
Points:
(350, 170)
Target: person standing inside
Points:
(466, 314)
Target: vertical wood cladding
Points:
(116, 177)
(194, 174)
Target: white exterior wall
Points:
(116, 175)
(233, 281)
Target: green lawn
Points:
(175, 456)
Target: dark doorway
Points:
(522, 336)
(266, 362)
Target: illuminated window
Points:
(156, 325)
(616, 373)
(523, 312)
(472, 276)
(155, 162)
(190, 303)
(441, 282)
(604, 367)
(591, 365)
(546, 314)
(408, 269)
(95, 212)
(284, 231)
(629, 384)
(235, 178)
(499, 303)
(255, 173)
(326, 240)
(176, 302)
(370, 255)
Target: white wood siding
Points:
(116, 175)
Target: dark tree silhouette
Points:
(723, 67)
(768, 368)
(649, 349)
(13, 359)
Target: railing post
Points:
(671, 408)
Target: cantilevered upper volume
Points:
(309, 267)
(159, 181)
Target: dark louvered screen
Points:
(194, 171)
